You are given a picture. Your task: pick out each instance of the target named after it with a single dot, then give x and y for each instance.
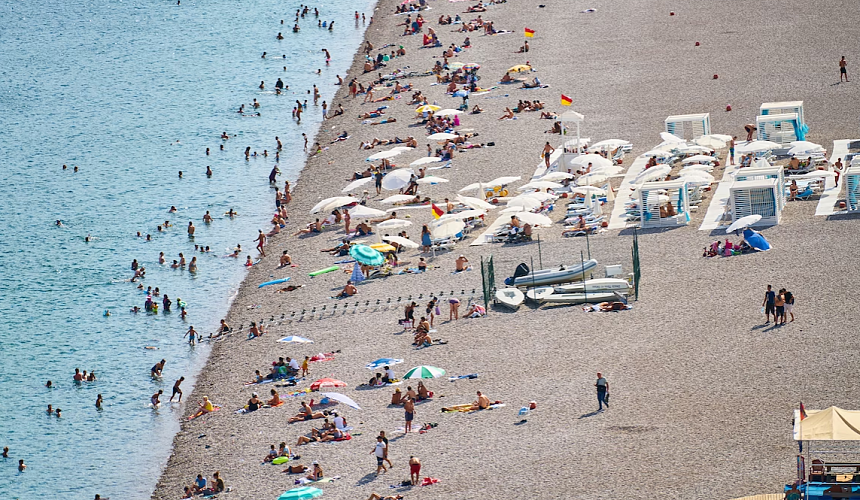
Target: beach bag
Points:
(606, 398)
(438, 311)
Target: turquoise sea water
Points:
(110, 87)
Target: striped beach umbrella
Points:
(424, 372)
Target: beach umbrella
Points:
(379, 363)
(658, 200)
(471, 187)
(427, 108)
(556, 176)
(441, 136)
(398, 198)
(591, 179)
(696, 176)
(397, 179)
(400, 240)
(425, 160)
(401, 148)
(757, 147)
(424, 372)
(720, 137)
(501, 181)
(541, 184)
(595, 160)
(465, 214)
(607, 170)
(365, 255)
(447, 112)
(699, 158)
(461, 93)
(653, 173)
(384, 154)
(794, 144)
(588, 190)
(538, 195)
(447, 229)
(431, 179)
(356, 184)
(533, 218)
(332, 203)
(694, 149)
(743, 222)
(814, 174)
(471, 66)
(670, 138)
(454, 66)
(806, 148)
(357, 276)
(296, 339)
(524, 202)
(394, 224)
(340, 398)
(658, 153)
(519, 68)
(302, 493)
(476, 203)
(608, 144)
(710, 142)
(365, 212)
(327, 382)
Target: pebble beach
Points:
(702, 392)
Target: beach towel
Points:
(428, 481)
(459, 377)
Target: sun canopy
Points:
(832, 424)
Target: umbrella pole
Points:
(540, 255)
(584, 287)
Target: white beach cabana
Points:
(782, 128)
(763, 170)
(779, 108)
(664, 204)
(851, 181)
(689, 127)
(757, 196)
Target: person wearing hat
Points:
(317, 473)
(397, 397)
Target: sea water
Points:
(132, 92)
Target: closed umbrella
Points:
(302, 493)
(448, 112)
(533, 218)
(397, 179)
(524, 202)
(591, 179)
(366, 255)
(357, 276)
(332, 203)
(398, 198)
(556, 176)
(365, 212)
(296, 339)
(431, 179)
(356, 184)
(447, 229)
(400, 240)
(427, 108)
(384, 154)
(340, 398)
(743, 222)
(541, 184)
(424, 372)
(327, 382)
(476, 203)
(394, 224)
(425, 160)
(379, 363)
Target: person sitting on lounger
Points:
(793, 190)
(306, 414)
(482, 403)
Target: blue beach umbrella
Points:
(382, 362)
(366, 255)
(461, 93)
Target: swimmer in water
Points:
(155, 371)
(207, 218)
(264, 55)
(207, 151)
(155, 397)
(148, 237)
(59, 413)
(172, 209)
(231, 213)
(280, 36)
(5, 453)
(49, 385)
(64, 166)
(50, 410)
(224, 137)
(59, 223)
(21, 465)
(161, 257)
(99, 402)
(180, 174)
(176, 389)
(88, 238)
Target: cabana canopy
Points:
(832, 424)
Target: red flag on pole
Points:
(802, 411)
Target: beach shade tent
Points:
(398, 198)
(424, 372)
(394, 224)
(363, 254)
(782, 129)
(327, 382)
(431, 179)
(687, 127)
(400, 240)
(364, 212)
(475, 203)
(379, 363)
(341, 398)
(397, 179)
(664, 204)
(442, 136)
(302, 493)
(756, 240)
(832, 424)
(425, 160)
(757, 196)
(785, 107)
(295, 339)
(764, 170)
(449, 228)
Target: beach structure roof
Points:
(778, 108)
(832, 424)
(757, 196)
(572, 116)
(782, 128)
(688, 126)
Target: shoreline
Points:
(642, 360)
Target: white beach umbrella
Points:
(658, 153)
(447, 228)
(467, 214)
(655, 172)
(805, 148)
(697, 176)
(384, 154)
(475, 203)
(699, 158)
(363, 212)
(588, 190)
(720, 137)
(757, 147)
(425, 160)
(608, 170)
(595, 160)
(447, 112)
(401, 148)
(538, 195)
(340, 398)
(397, 179)
(743, 222)
(356, 184)
(697, 167)
(667, 137)
(472, 187)
(524, 202)
(556, 176)
(394, 224)
(501, 181)
(694, 148)
(442, 136)
(400, 240)
(541, 184)
(803, 143)
(397, 198)
(533, 219)
(815, 174)
(710, 142)
(608, 144)
(591, 179)
(431, 179)
(332, 203)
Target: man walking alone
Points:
(602, 390)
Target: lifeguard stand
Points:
(650, 204)
(689, 127)
(781, 129)
(757, 196)
(764, 170)
(572, 147)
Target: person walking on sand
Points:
(768, 304)
(379, 451)
(385, 440)
(547, 151)
(409, 410)
(414, 470)
(261, 240)
(843, 69)
(602, 391)
(789, 305)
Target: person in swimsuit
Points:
(155, 371)
(155, 398)
(409, 410)
(254, 403)
(177, 390)
(414, 470)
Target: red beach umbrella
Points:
(327, 382)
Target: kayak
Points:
(273, 282)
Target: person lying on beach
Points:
(549, 115)
(363, 229)
(313, 227)
(372, 114)
(533, 85)
(339, 250)
(508, 115)
(376, 496)
(306, 414)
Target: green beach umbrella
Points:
(366, 255)
(424, 372)
(303, 493)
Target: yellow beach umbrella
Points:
(427, 108)
(519, 68)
